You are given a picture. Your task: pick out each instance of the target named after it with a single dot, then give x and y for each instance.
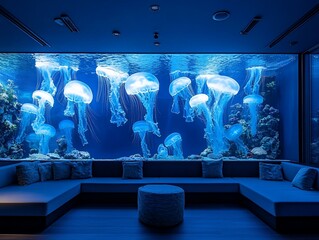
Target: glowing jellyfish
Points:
(115, 79)
(43, 98)
(181, 88)
(145, 86)
(223, 88)
(199, 104)
(80, 94)
(33, 140)
(233, 134)
(174, 142)
(47, 70)
(141, 128)
(162, 152)
(253, 83)
(28, 111)
(66, 127)
(46, 132)
(253, 101)
(201, 83)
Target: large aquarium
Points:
(314, 76)
(149, 106)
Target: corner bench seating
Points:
(285, 208)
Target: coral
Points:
(62, 146)
(76, 154)
(9, 120)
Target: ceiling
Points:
(184, 26)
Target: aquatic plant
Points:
(46, 132)
(145, 86)
(253, 101)
(33, 140)
(115, 78)
(199, 104)
(174, 143)
(43, 99)
(46, 69)
(253, 83)
(142, 128)
(78, 93)
(28, 112)
(223, 88)
(162, 152)
(66, 127)
(181, 88)
(233, 134)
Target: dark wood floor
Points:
(216, 221)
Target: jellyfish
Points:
(162, 152)
(199, 104)
(201, 84)
(80, 94)
(141, 128)
(253, 83)
(174, 141)
(223, 88)
(233, 134)
(145, 86)
(43, 98)
(33, 140)
(46, 132)
(46, 70)
(115, 79)
(181, 88)
(253, 101)
(66, 127)
(28, 111)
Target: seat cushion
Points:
(280, 198)
(38, 199)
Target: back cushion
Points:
(8, 175)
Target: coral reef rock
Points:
(62, 146)
(38, 156)
(53, 155)
(76, 154)
(194, 157)
(259, 152)
(206, 152)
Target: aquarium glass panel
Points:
(149, 106)
(314, 72)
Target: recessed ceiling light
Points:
(116, 33)
(59, 21)
(157, 44)
(221, 16)
(156, 35)
(155, 8)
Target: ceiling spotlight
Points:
(221, 16)
(157, 44)
(116, 33)
(65, 20)
(155, 8)
(59, 21)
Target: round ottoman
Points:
(161, 205)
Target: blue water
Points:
(106, 140)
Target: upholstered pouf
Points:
(161, 205)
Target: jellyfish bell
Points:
(180, 88)
(28, 111)
(115, 78)
(142, 128)
(253, 101)
(201, 83)
(174, 141)
(78, 93)
(198, 99)
(43, 99)
(162, 152)
(46, 132)
(233, 134)
(145, 86)
(223, 84)
(66, 127)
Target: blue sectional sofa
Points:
(285, 208)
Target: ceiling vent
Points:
(296, 25)
(5, 13)
(250, 25)
(65, 20)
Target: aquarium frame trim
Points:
(9, 16)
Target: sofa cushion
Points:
(45, 171)
(305, 178)
(280, 198)
(212, 168)
(81, 169)
(61, 170)
(28, 173)
(268, 171)
(132, 169)
(38, 199)
(8, 175)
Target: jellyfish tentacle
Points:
(69, 110)
(145, 150)
(175, 106)
(82, 126)
(118, 114)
